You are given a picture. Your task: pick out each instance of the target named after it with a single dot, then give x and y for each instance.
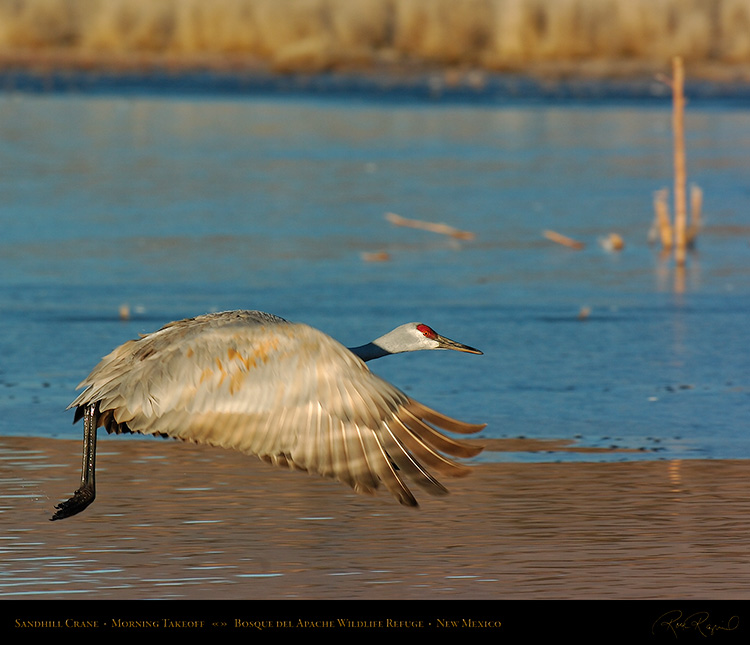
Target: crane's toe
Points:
(80, 500)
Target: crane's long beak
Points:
(447, 343)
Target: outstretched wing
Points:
(283, 391)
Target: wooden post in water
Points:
(680, 181)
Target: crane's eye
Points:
(427, 331)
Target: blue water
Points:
(175, 206)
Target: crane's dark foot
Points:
(80, 500)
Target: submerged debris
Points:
(377, 256)
(612, 242)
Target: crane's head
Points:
(415, 336)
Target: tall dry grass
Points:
(497, 34)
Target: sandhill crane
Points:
(282, 391)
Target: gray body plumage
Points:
(283, 391)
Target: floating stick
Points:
(443, 229)
(564, 240)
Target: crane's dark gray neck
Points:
(369, 352)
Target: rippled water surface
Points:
(171, 207)
(175, 207)
(175, 521)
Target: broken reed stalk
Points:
(696, 205)
(680, 182)
(663, 226)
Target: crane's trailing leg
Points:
(87, 491)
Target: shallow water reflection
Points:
(211, 524)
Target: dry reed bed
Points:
(322, 34)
